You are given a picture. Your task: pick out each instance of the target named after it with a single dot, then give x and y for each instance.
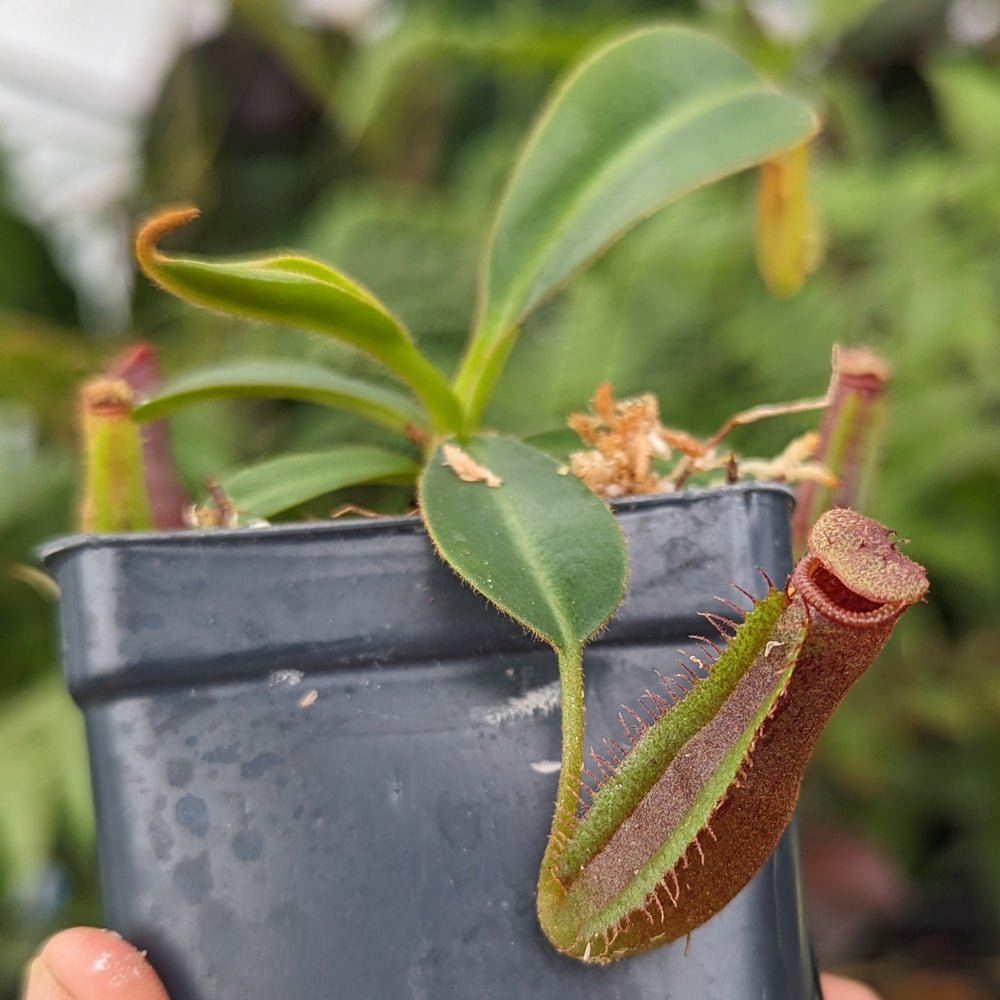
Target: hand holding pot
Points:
(85, 963)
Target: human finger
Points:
(839, 988)
(85, 963)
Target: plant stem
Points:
(478, 372)
(564, 818)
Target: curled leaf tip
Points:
(155, 227)
(855, 574)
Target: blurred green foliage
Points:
(385, 156)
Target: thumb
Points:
(85, 963)
(838, 988)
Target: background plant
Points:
(905, 182)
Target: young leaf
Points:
(542, 547)
(271, 487)
(539, 545)
(706, 790)
(44, 785)
(290, 289)
(643, 121)
(286, 380)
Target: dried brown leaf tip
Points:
(467, 468)
(793, 465)
(628, 438)
(220, 513)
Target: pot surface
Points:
(324, 768)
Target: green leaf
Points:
(833, 21)
(540, 545)
(285, 380)
(967, 96)
(270, 487)
(44, 783)
(643, 121)
(377, 77)
(297, 291)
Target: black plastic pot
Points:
(323, 768)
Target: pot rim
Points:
(49, 553)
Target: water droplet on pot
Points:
(248, 846)
(220, 754)
(179, 771)
(261, 763)
(161, 837)
(193, 878)
(191, 812)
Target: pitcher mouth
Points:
(829, 595)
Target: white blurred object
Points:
(351, 15)
(783, 20)
(973, 22)
(76, 81)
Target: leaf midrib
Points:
(585, 192)
(541, 571)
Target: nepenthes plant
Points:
(700, 799)
(679, 817)
(677, 821)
